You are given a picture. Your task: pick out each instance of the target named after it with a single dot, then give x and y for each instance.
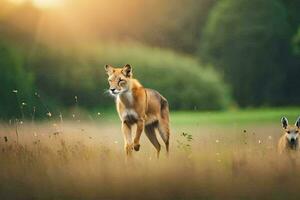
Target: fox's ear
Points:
(109, 69)
(127, 71)
(298, 122)
(284, 122)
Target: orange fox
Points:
(289, 141)
(135, 104)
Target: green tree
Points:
(296, 43)
(248, 42)
(293, 8)
(16, 85)
(64, 73)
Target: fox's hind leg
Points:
(164, 131)
(150, 133)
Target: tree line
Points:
(247, 52)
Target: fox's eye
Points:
(288, 132)
(296, 131)
(121, 81)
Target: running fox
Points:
(135, 104)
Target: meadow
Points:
(229, 75)
(213, 155)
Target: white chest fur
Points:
(128, 97)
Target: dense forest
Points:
(200, 54)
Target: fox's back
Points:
(154, 100)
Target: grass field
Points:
(241, 117)
(248, 116)
(228, 155)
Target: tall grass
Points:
(76, 160)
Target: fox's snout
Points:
(293, 140)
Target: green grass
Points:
(238, 117)
(249, 116)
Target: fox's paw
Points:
(136, 147)
(128, 148)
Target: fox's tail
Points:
(164, 109)
(163, 128)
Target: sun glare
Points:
(47, 3)
(42, 3)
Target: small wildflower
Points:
(76, 98)
(15, 91)
(98, 113)
(217, 141)
(270, 137)
(217, 154)
(259, 141)
(60, 117)
(116, 142)
(35, 134)
(24, 104)
(73, 115)
(49, 114)
(21, 122)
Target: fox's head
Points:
(291, 131)
(118, 78)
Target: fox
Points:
(289, 140)
(136, 105)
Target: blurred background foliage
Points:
(200, 54)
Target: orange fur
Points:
(137, 105)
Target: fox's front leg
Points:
(126, 129)
(139, 130)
